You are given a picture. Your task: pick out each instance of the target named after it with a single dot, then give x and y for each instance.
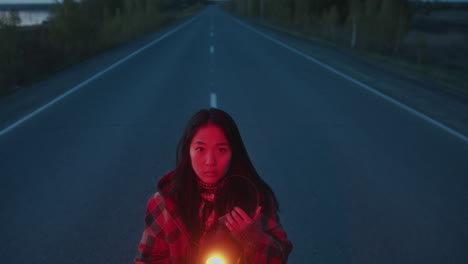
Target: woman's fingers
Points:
(242, 214)
(257, 212)
(239, 215)
(238, 219)
(228, 225)
(231, 221)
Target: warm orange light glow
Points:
(215, 260)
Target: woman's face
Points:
(210, 153)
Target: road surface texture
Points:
(360, 178)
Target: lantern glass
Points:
(215, 260)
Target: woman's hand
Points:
(237, 219)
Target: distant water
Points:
(30, 17)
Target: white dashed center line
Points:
(213, 100)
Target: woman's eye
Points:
(199, 149)
(222, 150)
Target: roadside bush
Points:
(330, 22)
(83, 28)
(10, 55)
(301, 13)
(279, 10)
(73, 30)
(377, 25)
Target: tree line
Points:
(375, 25)
(369, 24)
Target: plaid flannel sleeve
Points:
(153, 247)
(265, 241)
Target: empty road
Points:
(359, 178)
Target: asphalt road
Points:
(359, 178)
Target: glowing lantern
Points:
(220, 248)
(215, 260)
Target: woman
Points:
(197, 199)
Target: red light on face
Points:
(210, 154)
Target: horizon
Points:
(52, 1)
(27, 2)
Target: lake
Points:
(30, 17)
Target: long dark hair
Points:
(184, 190)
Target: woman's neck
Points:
(206, 185)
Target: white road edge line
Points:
(92, 78)
(213, 102)
(363, 85)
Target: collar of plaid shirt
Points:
(206, 211)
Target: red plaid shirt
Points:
(166, 240)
